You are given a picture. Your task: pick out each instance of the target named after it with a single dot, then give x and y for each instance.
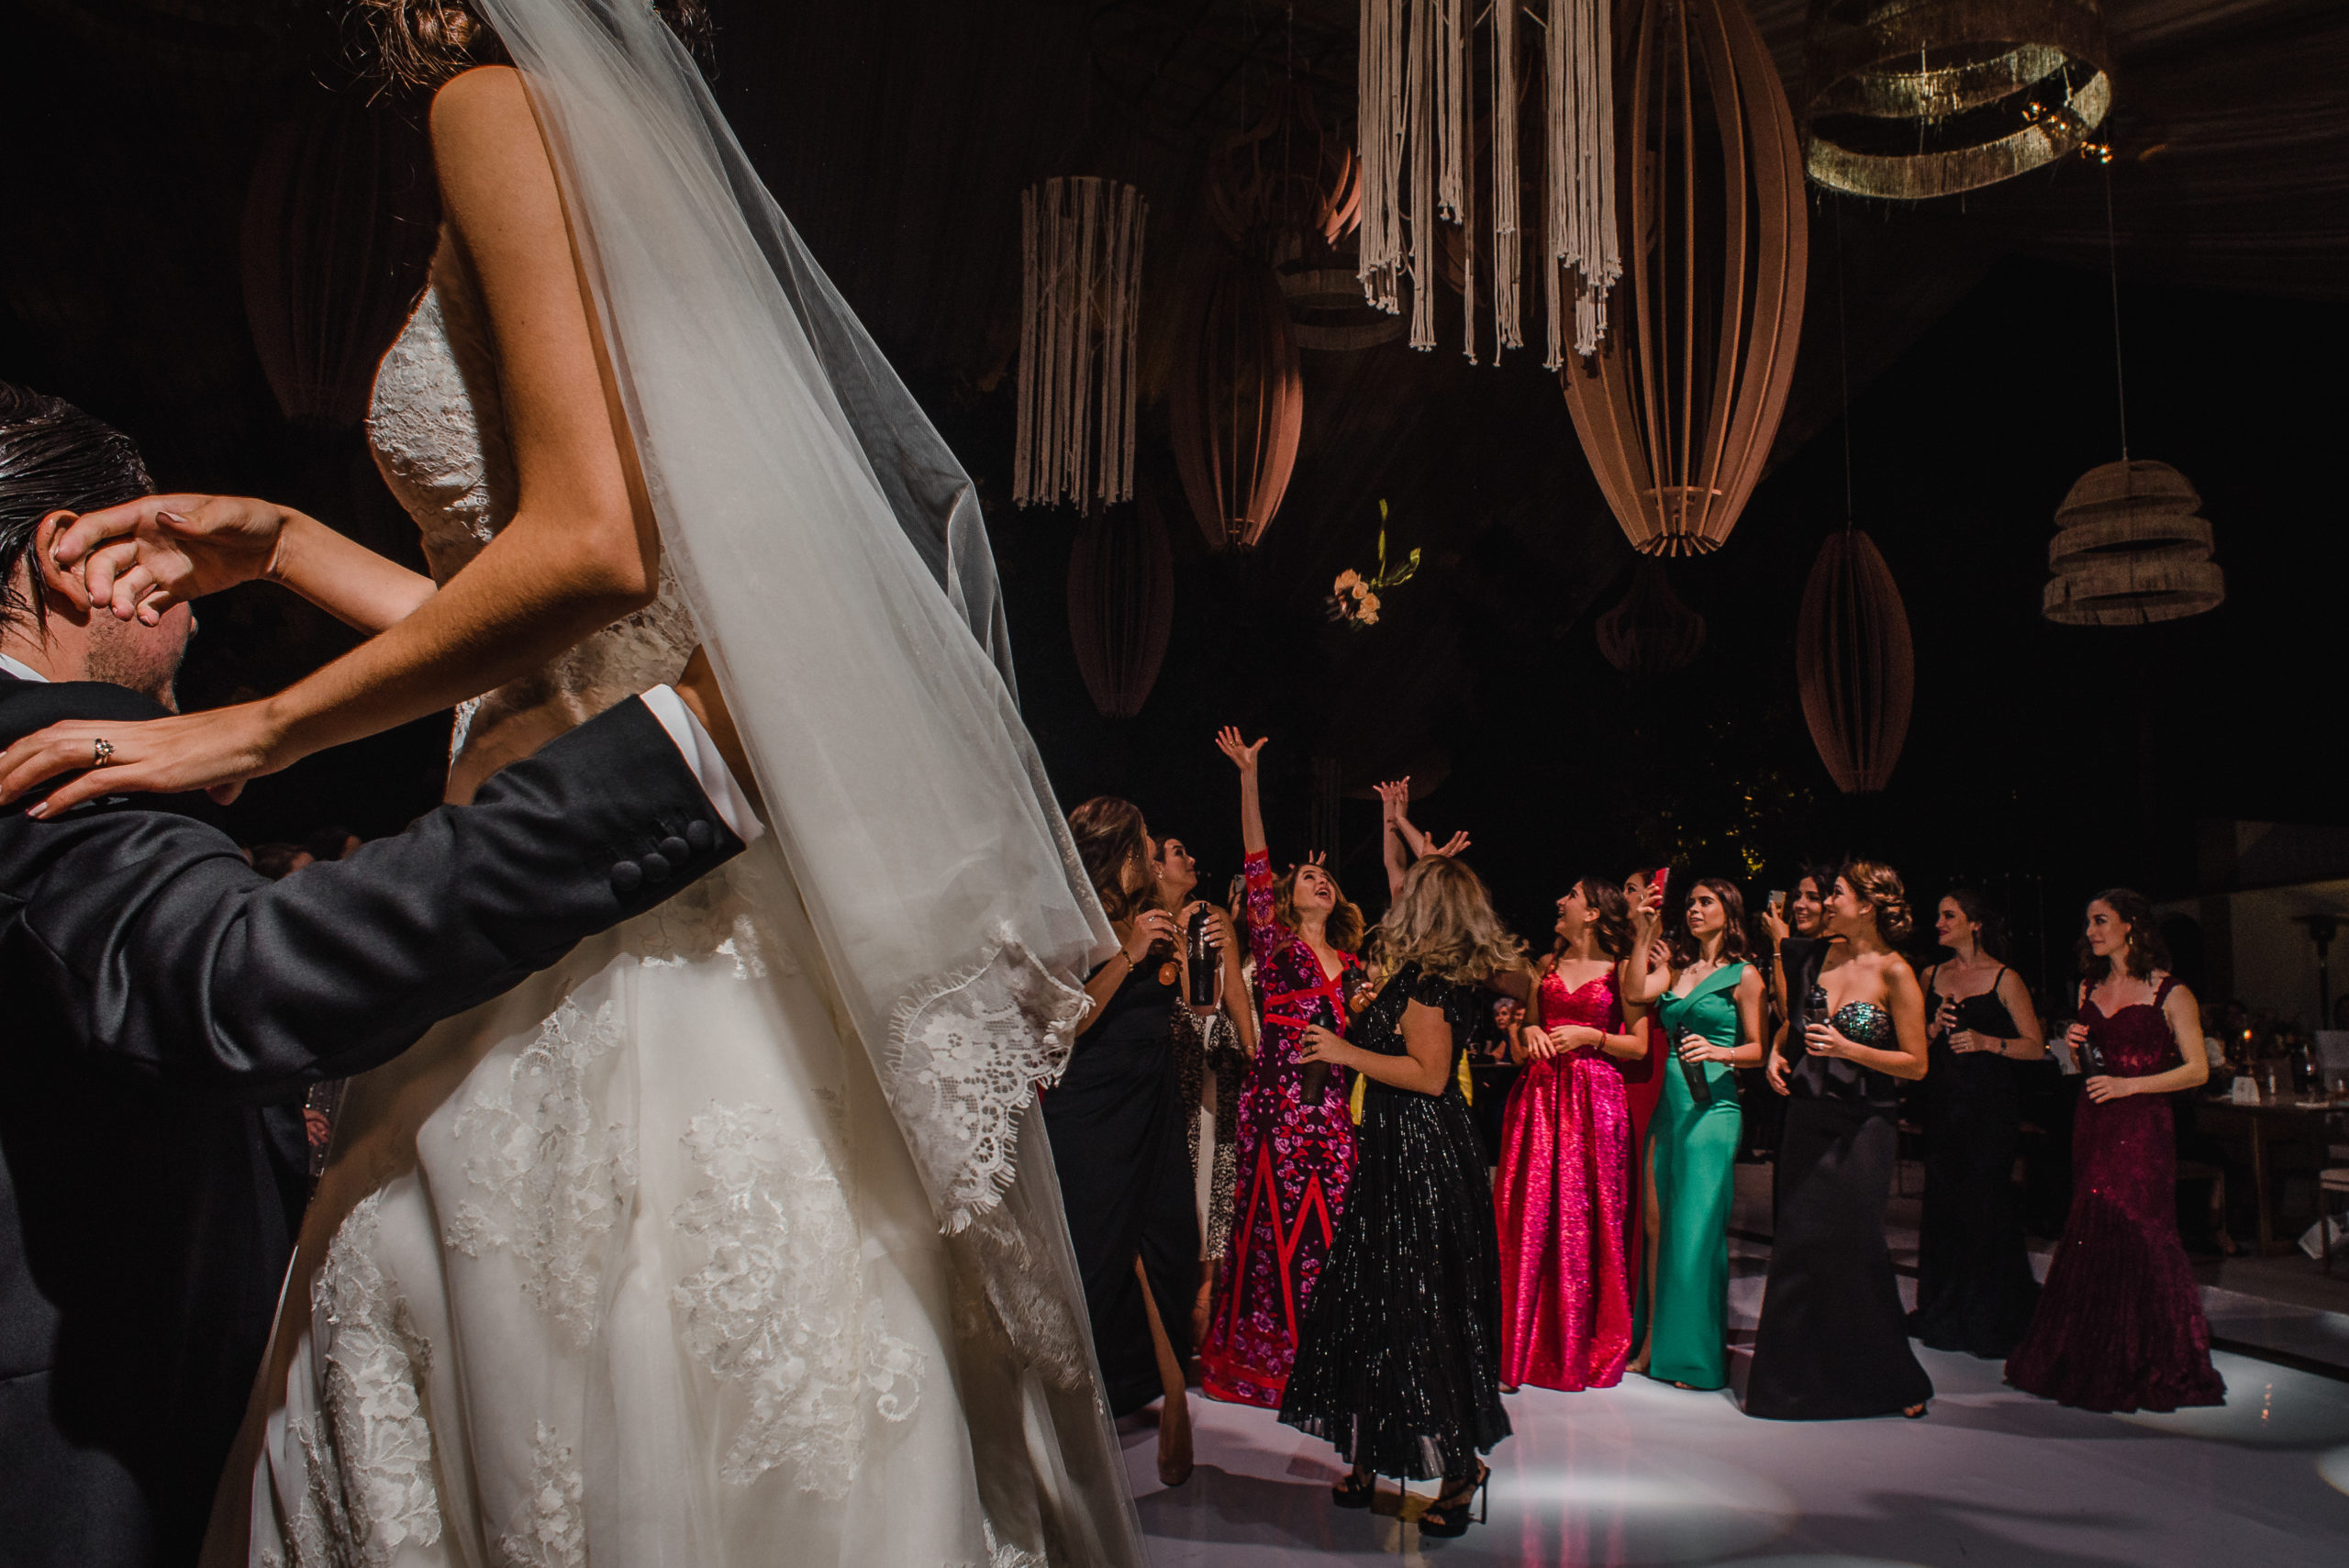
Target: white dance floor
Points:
(1649, 1473)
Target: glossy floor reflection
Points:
(1648, 1473)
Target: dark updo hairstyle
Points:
(1612, 931)
(1879, 887)
(53, 458)
(1979, 911)
(1109, 837)
(1736, 942)
(422, 43)
(2146, 951)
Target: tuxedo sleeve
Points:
(149, 943)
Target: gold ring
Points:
(101, 754)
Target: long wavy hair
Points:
(422, 43)
(1443, 920)
(1110, 836)
(2145, 953)
(1736, 942)
(1880, 887)
(1344, 929)
(1612, 931)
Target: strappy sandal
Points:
(1355, 1491)
(1448, 1516)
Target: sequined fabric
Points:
(1295, 1162)
(1833, 1343)
(2120, 1325)
(1399, 1363)
(1562, 1201)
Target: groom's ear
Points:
(64, 584)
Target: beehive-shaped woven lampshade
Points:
(2131, 549)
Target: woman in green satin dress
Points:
(1707, 1002)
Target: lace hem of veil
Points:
(964, 1058)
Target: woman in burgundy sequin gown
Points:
(1295, 1158)
(1563, 1194)
(2120, 1325)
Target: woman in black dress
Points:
(1398, 1353)
(1116, 1123)
(1833, 1341)
(1974, 1289)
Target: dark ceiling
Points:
(1977, 336)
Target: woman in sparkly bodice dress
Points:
(1294, 1154)
(2120, 1325)
(1563, 1194)
(1833, 1339)
(1398, 1359)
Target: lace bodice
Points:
(437, 426)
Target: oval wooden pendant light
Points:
(1651, 632)
(1236, 406)
(1121, 605)
(1679, 408)
(1854, 662)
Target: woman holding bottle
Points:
(1707, 1006)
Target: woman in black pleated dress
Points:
(1398, 1353)
(1974, 1289)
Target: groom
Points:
(159, 999)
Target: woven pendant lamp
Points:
(1911, 99)
(2130, 550)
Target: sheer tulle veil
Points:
(832, 551)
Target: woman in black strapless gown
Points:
(1974, 1289)
(1833, 1341)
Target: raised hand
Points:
(1394, 798)
(1454, 845)
(1242, 755)
(142, 557)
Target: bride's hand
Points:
(216, 751)
(145, 556)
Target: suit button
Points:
(656, 866)
(699, 836)
(674, 851)
(627, 877)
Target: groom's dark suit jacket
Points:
(159, 1000)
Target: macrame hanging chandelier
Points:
(1080, 304)
(1677, 410)
(1910, 99)
(1419, 80)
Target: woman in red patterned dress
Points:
(1294, 1157)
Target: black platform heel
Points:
(1448, 1516)
(1355, 1491)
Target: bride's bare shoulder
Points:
(481, 112)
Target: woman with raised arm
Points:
(1296, 1151)
(1562, 1195)
(1975, 1287)
(2120, 1325)
(735, 1233)
(1834, 1340)
(1707, 1002)
(1400, 1363)
(1212, 1052)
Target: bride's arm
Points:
(581, 550)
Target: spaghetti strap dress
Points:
(1692, 1151)
(2120, 1326)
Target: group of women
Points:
(1268, 1155)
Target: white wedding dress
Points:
(635, 1261)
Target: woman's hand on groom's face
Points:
(142, 558)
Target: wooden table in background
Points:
(2263, 1123)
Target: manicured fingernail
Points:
(177, 518)
(38, 808)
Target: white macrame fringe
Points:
(1080, 307)
(1415, 114)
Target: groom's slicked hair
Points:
(53, 458)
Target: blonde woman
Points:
(1398, 1355)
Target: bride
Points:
(732, 1238)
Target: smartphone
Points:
(1778, 899)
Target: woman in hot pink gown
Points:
(1562, 1196)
